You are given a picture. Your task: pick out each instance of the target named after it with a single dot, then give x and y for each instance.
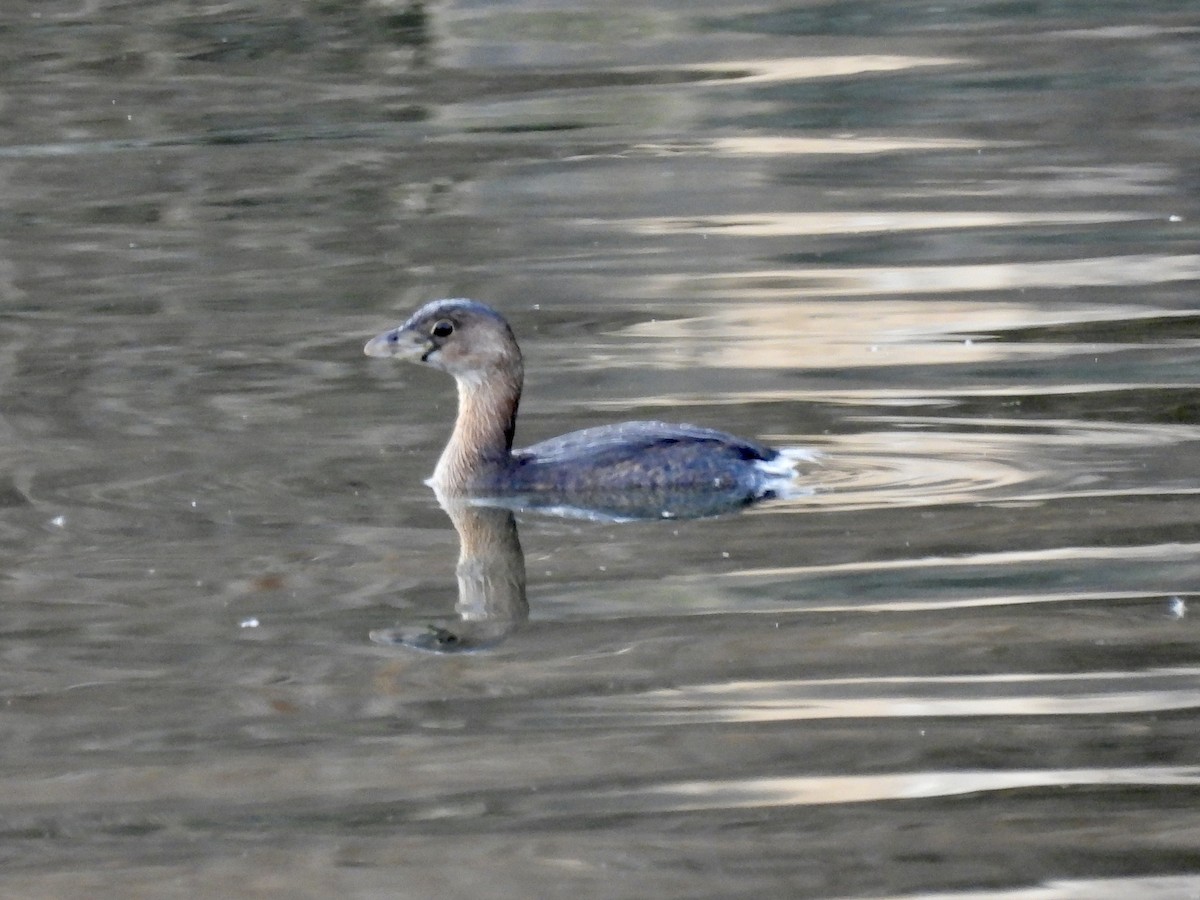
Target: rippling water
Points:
(951, 248)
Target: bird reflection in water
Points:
(492, 602)
(491, 583)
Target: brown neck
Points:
(483, 432)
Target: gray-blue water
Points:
(953, 247)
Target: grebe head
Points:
(467, 339)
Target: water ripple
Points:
(1161, 887)
(761, 793)
(1088, 693)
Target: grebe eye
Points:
(442, 329)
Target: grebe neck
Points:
(483, 431)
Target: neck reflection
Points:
(491, 564)
(491, 584)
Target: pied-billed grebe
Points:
(473, 343)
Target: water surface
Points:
(952, 248)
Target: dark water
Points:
(954, 247)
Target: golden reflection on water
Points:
(803, 68)
(793, 283)
(787, 224)
(832, 145)
(1150, 887)
(1181, 552)
(835, 334)
(899, 397)
(1091, 693)
(817, 790)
